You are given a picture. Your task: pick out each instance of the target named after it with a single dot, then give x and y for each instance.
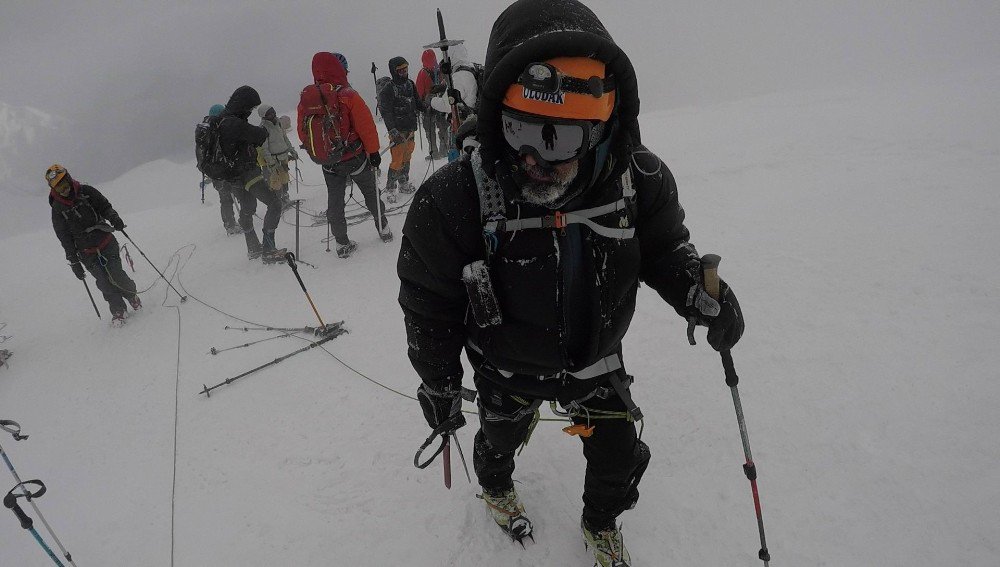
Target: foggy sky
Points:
(134, 77)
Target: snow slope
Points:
(858, 228)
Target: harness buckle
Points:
(560, 220)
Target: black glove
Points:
(445, 67)
(454, 96)
(438, 89)
(395, 136)
(375, 159)
(77, 268)
(723, 318)
(118, 223)
(442, 409)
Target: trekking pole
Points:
(10, 501)
(214, 351)
(202, 188)
(183, 297)
(298, 202)
(14, 429)
(298, 174)
(207, 390)
(290, 258)
(91, 296)
(375, 82)
(710, 271)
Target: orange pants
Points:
(401, 152)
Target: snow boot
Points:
(386, 234)
(508, 513)
(270, 254)
(118, 319)
(253, 244)
(135, 303)
(607, 545)
(345, 250)
(233, 229)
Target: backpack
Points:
(478, 71)
(208, 153)
(319, 129)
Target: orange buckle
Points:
(579, 429)
(560, 220)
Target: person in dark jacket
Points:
(241, 139)
(84, 221)
(225, 196)
(528, 255)
(400, 106)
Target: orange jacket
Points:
(355, 117)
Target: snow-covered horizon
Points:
(853, 225)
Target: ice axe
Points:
(375, 82)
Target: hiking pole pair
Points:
(10, 501)
(329, 337)
(179, 294)
(710, 277)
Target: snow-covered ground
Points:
(858, 228)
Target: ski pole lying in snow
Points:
(14, 429)
(214, 351)
(207, 391)
(10, 501)
(179, 294)
(309, 330)
(710, 271)
(91, 296)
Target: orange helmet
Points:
(574, 88)
(54, 174)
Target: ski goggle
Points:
(54, 175)
(554, 140)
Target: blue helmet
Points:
(342, 59)
(216, 110)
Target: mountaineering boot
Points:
(270, 254)
(406, 187)
(386, 234)
(345, 250)
(607, 545)
(508, 513)
(390, 185)
(118, 319)
(135, 303)
(232, 229)
(253, 245)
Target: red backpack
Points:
(319, 124)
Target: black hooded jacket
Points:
(238, 137)
(398, 101)
(81, 219)
(567, 295)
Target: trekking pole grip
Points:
(710, 278)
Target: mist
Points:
(130, 80)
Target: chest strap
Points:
(606, 365)
(492, 209)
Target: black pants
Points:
(225, 203)
(616, 458)
(250, 189)
(437, 141)
(336, 186)
(112, 281)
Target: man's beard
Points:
(551, 191)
